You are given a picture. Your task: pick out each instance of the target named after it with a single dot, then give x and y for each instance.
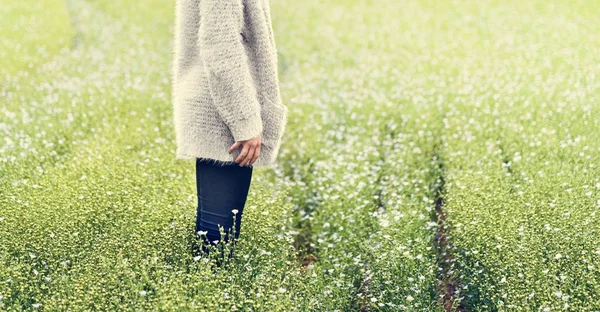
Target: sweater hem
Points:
(217, 154)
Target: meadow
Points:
(439, 156)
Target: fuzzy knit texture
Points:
(225, 80)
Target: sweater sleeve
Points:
(225, 62)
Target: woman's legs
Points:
(221, 189)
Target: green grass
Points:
(491, 103)
(32, 33)
(521, 144)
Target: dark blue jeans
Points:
(221, 189)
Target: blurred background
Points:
(439, 156)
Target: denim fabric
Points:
(221, 188)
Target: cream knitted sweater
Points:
(225, 80)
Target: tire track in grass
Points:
(448, 281)
(306, 202)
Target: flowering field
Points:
(439, 156)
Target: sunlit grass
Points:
(386, 98)
(31, 33)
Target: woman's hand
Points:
(250, 150)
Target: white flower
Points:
(202, 232)
(143, 293)
(282, 289)
(196, 258)
(384, 222)
(235, 211)
(410, 298)
(558, 293)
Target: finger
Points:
(243, 154)
(250, 155)
(234, 146)
(256, 154)
(245, 158)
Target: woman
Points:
(227, 108)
